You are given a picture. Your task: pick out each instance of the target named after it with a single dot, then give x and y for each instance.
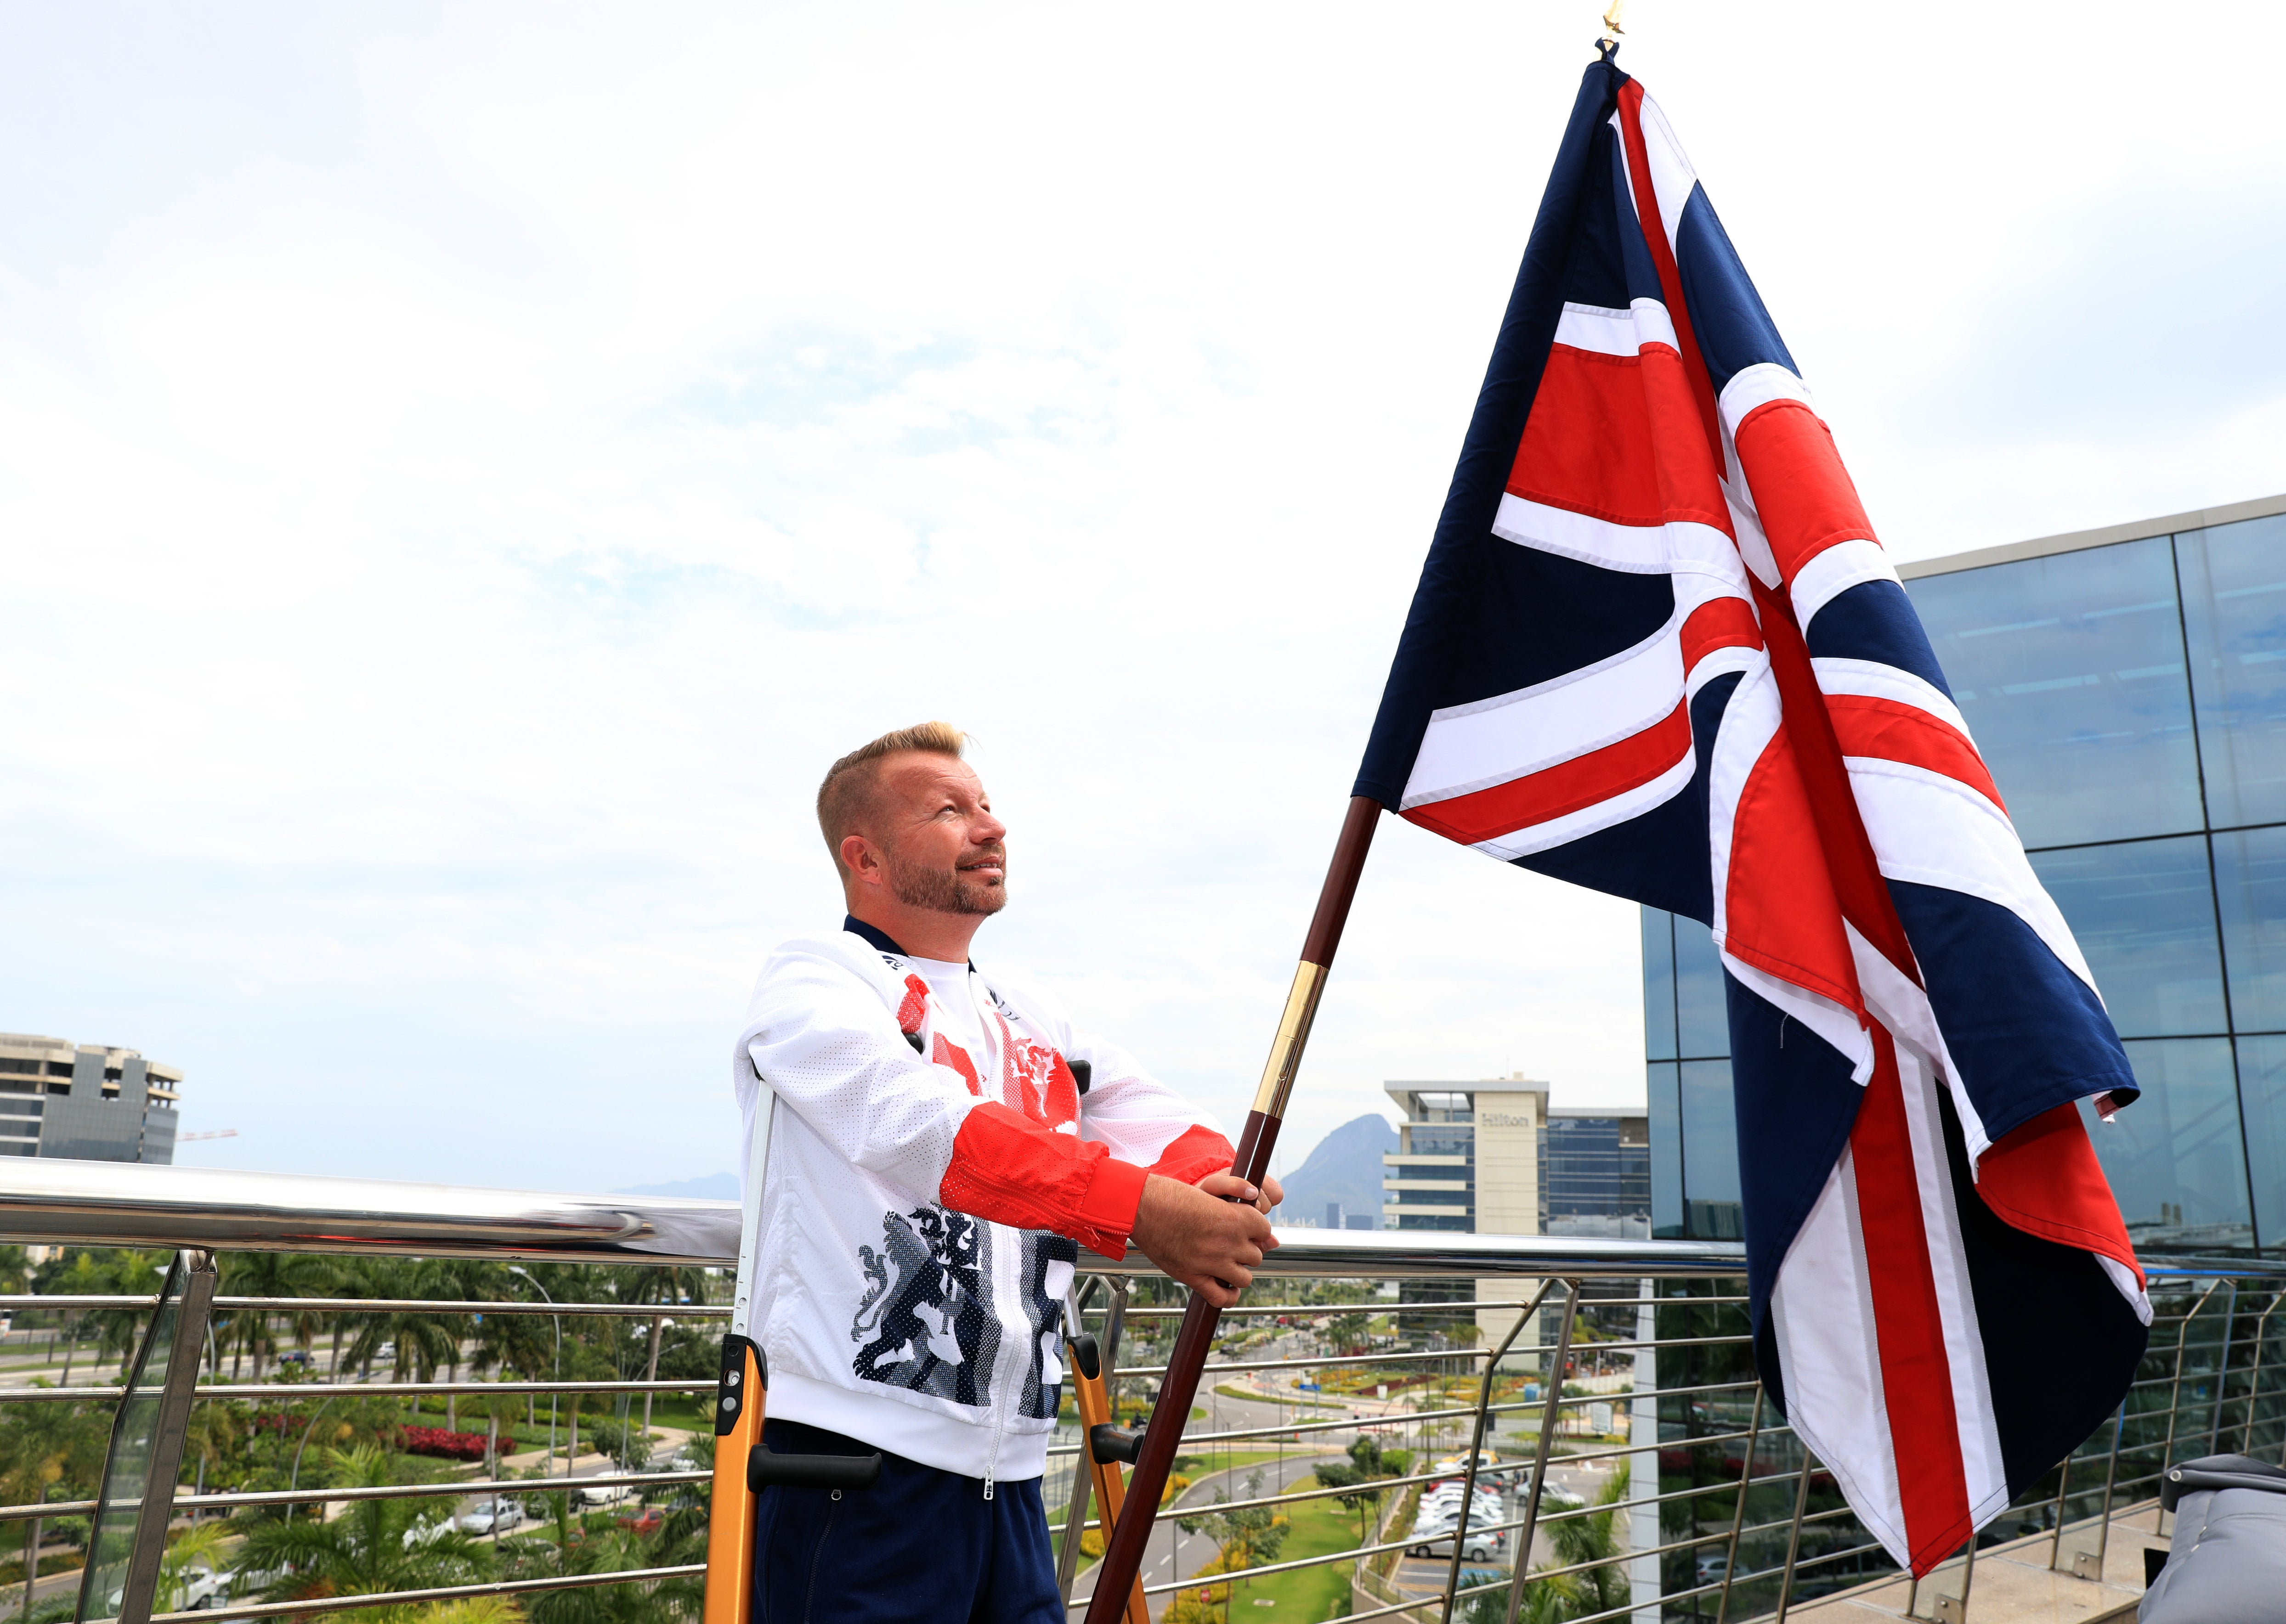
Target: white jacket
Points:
(918, 1229)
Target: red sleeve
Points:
(1009, 1169)
(1195, 1153)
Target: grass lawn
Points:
(1319, 1528)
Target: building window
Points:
(1702, 1007)
(1666, 1150)
(2234, 610)
(2262, 1091)
(1710, 1146)
(2071, 672)
(2175, 1157)
(2251, 887)
(1658, 984)
(2144, 916)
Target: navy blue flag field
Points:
(1656, 650)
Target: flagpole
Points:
(1123, 1559)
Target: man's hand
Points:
(1229, 1187)
(1209, 1244)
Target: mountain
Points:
(1345, 1168)
(714, 1187)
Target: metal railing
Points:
(1625, 1371)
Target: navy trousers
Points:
(921, 1546)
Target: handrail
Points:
(126, 1203)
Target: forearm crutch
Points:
(744, 1466)
(1106, 1444)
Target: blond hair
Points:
(847, 791)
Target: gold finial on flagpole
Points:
(1612, 24)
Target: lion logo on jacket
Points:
(927, 1307)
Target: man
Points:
(945, 1140)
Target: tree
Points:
(374, 1546)
(1575, 1539)
(253, 1331)
(196, 1547)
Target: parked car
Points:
(203, 1588)
(606, 1494)
(645, 1521)
(492, 1516)
(1479, 1547)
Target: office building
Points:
(85, 1102)
(2127, 687)
(1492, 1155)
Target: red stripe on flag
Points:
(1604, 439)
(1720, 623)
(1780, 912)
(2044, 1179)
(1662, 254)
(1804, 495)
(1908, 1325)
(1894, 731)
(1567, 787)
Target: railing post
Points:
(1794, 1536)
(2056, 1540)
(1548, 1417)
(145, 1455)
(1476, 1444)
(2222, 1368)
(2175, 1395)
(2110, 1480)
(1738, 1511)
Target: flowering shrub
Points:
(451, 1446)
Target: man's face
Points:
(942, 848)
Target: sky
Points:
(466, 469)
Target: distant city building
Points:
(1491, 1157)
(85, 1102)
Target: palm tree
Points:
(469, 1280)
(643, 1283)
(42, 1446)
(376, 1546)
(1576, 1539)
(522, 1343)
(197, 1546)
(253, 1331)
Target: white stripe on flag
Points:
(1495, 741)
(1875, 679)
(1898, 1002)
(1636, 549)
(1672, 177)
(1929, 830)
(1834, 571)
(1758, 386)
(1616, 333)
(1830, 1359)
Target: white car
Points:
(1480, 1547)
(607, 1494)
(495, 1515)
(203, 1588)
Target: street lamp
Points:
(514, 1269)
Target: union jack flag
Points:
(1656, 650)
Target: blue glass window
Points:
(2250, 885)
(2234, 608)
(2144, 916)
(1702, 1014)
(2262, 1087)
(1710, 1132)
(1658, 984)
(1665, 1150)
(2175, 1157)
(2070, 670)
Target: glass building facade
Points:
(2128, 691)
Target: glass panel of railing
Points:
(142, 1456)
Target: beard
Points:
(947, 890)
